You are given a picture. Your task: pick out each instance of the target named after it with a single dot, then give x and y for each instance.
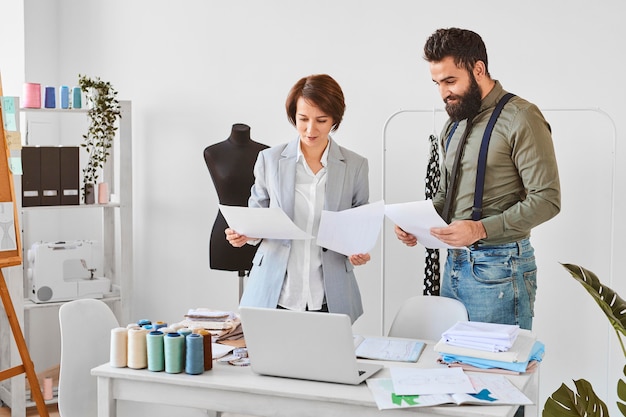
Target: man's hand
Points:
(460, 232)
(406, 238)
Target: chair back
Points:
(85, 343)
(427, 317)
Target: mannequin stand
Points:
(242, 275)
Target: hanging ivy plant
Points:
(104, 111)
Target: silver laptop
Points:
(303, 345)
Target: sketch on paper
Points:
(7, 227)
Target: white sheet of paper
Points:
(262, 223)
(417, 381)
(351, 231)
(417, 218)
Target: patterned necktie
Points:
(432, 268)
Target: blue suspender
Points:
(454, 126)
(477, 209)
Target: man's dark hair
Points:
(464, 46)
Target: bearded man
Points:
(499, 179)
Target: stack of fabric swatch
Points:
(490, 347)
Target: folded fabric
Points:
(536, 354)
(519, 352)
(214, 315)
(532, 366)
(480, 344)
(491, 337)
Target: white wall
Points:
(194, 68)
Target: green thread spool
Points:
(156, 351)
(173, 344)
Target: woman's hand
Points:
(360, 259)
(235, 238)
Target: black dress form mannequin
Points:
(231, 164)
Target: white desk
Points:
(234, 389)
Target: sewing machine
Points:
(63, 271)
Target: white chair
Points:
(85, 343)
(427, 317)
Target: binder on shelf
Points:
(50, 175)
(70, 184)
(31, 176)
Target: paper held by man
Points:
(417, 218)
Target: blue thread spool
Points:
(64, 92)
(50, 99)
(159, 324)
(194, 356)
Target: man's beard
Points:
(468, 103)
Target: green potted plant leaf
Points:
(566, 403)
(103, 111)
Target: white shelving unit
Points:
(115, 232)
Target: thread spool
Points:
(173, 344)
(47, 389)
(184, 332)
(143, 322)
(103, 193)
(208, 349)
(159, 324)
(137, 349)
(50, 98)
(64, 94)
(156, 351)
(119, 347)
(32, 96)
(167, 329)
(194, 354)
(77, 100)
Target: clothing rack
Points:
(434, 112)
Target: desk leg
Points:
(106, 402)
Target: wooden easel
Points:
(13, 258)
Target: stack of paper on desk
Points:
(476, 389)
(388, 349)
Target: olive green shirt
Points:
(522, 188)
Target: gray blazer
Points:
(347, 186)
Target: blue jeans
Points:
(497, 284)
